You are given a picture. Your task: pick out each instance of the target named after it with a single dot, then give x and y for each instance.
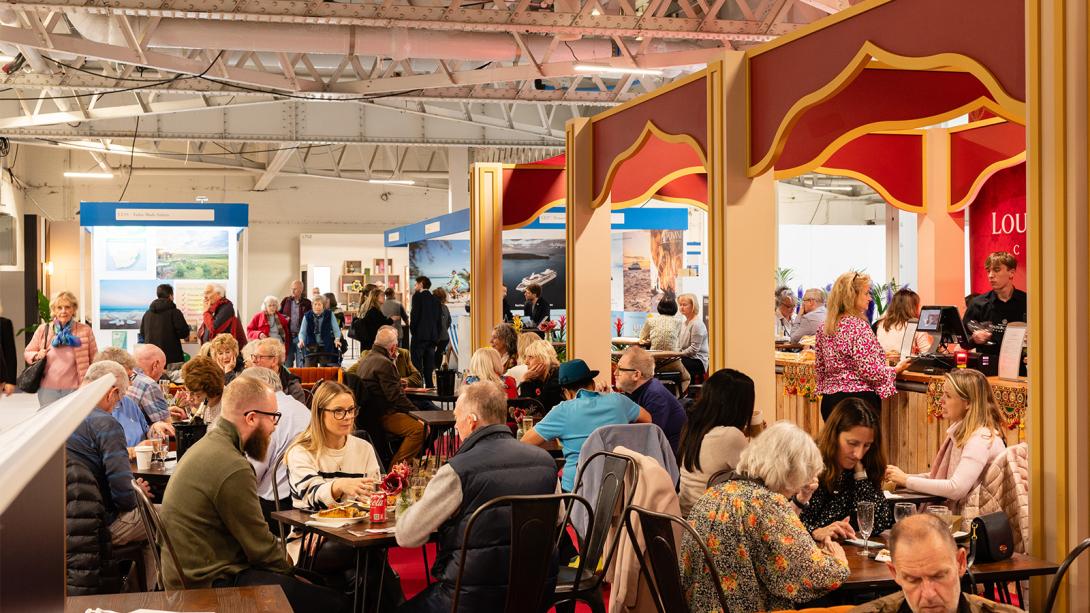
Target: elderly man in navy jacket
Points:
(489, 464)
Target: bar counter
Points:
(912, 428)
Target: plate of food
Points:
(343, 514)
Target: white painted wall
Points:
(278, 216)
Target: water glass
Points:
(158, 444)
(418, 484)
(902, 510)
(864, 516)
(939, 510)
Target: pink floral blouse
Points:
(852, 360)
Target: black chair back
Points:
(1054, 589)
(535, 531)
(659, 563)
(158, 539)
(611, 499)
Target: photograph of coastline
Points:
(534, 260)
(122, 303)
(191, 253)
(636, 262)
(446, 263)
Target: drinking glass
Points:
(157, 445)
(938, 509)
(864, 516)
(418, 484)
(902, 510)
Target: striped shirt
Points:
(149, 397)
(311, 478)
(99, 443)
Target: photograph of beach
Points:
(122, 302)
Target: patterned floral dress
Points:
(765, 558)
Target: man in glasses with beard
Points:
(212, 514)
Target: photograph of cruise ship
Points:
(541, 278)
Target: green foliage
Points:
(784, 276)
(44, 315)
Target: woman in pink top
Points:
(67, 346)
(850, 362)
(972, 442)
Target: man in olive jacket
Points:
(211, 511)
(384, 406)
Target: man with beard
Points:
(211, 509)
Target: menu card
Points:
(1010, 352)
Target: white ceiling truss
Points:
(492, 75)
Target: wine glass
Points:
(864, 516)
(902, 510)
(418, 484)
(158, 443)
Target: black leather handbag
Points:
(31, 378)
(990, 538)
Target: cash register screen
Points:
(930, 319)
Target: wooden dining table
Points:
(867, 574)
(250, 599)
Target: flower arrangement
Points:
(516, 323)
(618, 324)
(548, 327)
(562, 322)
(396, 481)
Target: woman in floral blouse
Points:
(850, 361)
(851, 445)
(765, 558)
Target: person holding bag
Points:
(66, 345)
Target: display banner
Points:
(997, 222)
(232, 215)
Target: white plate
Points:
(960, 534)
(336, 522)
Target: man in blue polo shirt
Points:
(636, 378)
(583, 412)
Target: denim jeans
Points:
(47, 396)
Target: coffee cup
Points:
(143, 457)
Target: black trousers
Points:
(422, 353)
(829, 402)
(440, 349)
(694, 366)
(303, 597)
(267, 509)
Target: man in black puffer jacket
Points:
(489, 464)
(87, 539)
(164, 326)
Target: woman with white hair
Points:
(692, 341)
(485, 366)
(765, 558)
(270, 323)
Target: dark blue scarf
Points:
(64, 335)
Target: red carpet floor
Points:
(409, 563)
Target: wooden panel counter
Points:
(911, 425)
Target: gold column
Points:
(941, 237)
(1058, 164)
(485, 232)
(742, 235)
(587, 249)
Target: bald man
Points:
(211, 509)
(928, 566)
(145, 390)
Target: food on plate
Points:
(344, 512)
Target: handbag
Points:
(990, 538)
(31, 378)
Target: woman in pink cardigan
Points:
(972, 441)
(67, 346)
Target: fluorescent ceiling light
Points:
(616, 69)
(89, 175)
(392, 181)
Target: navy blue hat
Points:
(575, 372)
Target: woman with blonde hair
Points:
(370, 319)
(224, 350)
(973, 440)
(327, 466)
(485, 366)
(518, 371)
(849, 361)
(66, 345)
(542, 380)
(903, 307)
(692, 341)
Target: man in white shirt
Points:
(294, 418)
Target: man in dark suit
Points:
(536, 308)
(384, 406)
(424, 328)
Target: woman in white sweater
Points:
(719, 428)
(327, 466)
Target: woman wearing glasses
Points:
(850, 361)
(328, 466)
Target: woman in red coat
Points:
(269, 323)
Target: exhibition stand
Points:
(134, 246)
